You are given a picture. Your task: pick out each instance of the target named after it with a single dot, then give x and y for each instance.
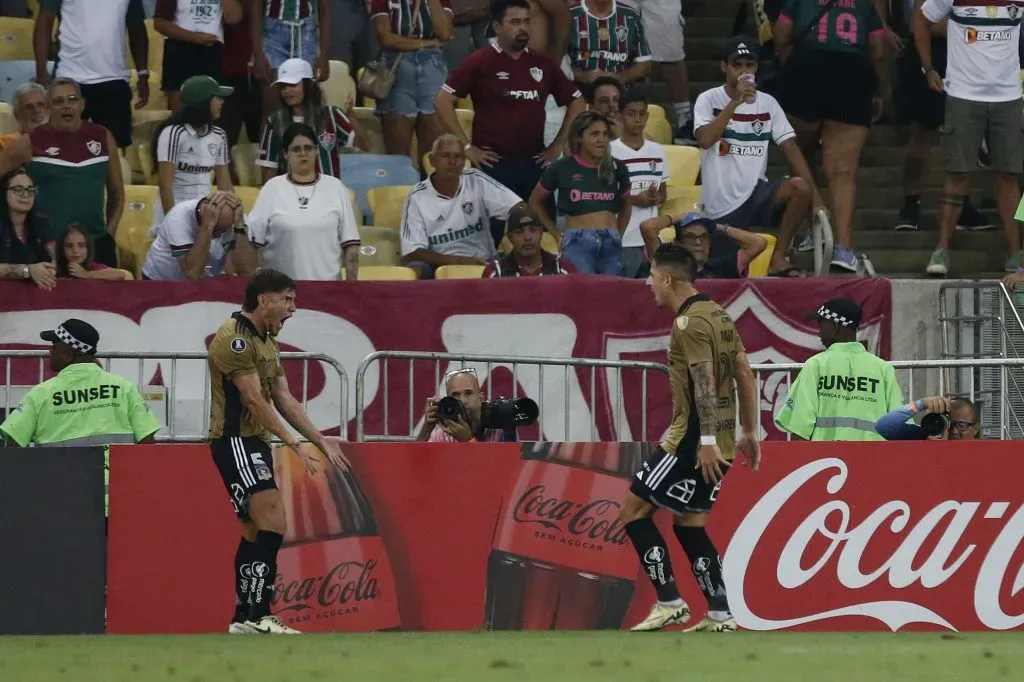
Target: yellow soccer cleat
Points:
(663, 615)
(709, 625)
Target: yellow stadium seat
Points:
(340, 89)
(146, 162)
(681, 200)
(133, 231)
(466, 103)
(459, 272)
(16, 39)
(243, 155)
(371, 124)
(248, 196)
(360, 218)
(659, 130)
(465, 117)
(386, 204)
(380, 246)
(384, 273)
(8, 124)
(656, 112)
(759, 266)
(683, 165)
(127, 274)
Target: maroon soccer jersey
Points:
(508, 98)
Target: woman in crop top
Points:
(593, 195)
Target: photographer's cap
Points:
(741, 47)
(841, 311)
(521, 217)
(75, 333)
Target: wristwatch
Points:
(25, 272)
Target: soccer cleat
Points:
(663, 615)
(238, 627)
(271, 625)
(709, 625)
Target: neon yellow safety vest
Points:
(839, 395)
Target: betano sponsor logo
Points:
(973, 35)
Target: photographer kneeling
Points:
(942, 419)
(463, 417)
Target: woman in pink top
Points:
(75, 257)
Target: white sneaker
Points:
(663, 615)
(271, 625)
(241, 628)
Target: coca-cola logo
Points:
(908, 565)
(596, 520)
(347, 583)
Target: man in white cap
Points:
(301, 101)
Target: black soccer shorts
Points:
(673, 482)
(246, 465)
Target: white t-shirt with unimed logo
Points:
(194, 158)
(731, 167)
(646, 168)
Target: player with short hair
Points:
(707, 366)
(247, 383)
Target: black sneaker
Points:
(684, 135)
(973, 221)
(910, 216)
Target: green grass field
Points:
(516, 656)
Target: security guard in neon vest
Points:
(83, 405)
(841, 392)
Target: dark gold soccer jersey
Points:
(702, 332)
(236, 350)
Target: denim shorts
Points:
(287, 40)
(418, 79)
(596, 251)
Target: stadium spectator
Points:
(734, 124)
(605, 97)
(193, 36)
(290, 29)
(645, 162)
(352, 40)
(91, 38)
(71, 166)
(983, 94)
(527, 259)
(244, 106)
(30, 110)
(200, 238)
(509, 84)
(74, 251)
(300, 100)
(593, 194)
(411, 33)
(721, 251)
(607, 38)
(303, 224)
(960, 417)
(663, 27)
(463, 385)
(836, 112)
(446, 218)
(23, 252)
(188, 147)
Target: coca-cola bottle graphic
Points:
(333, 572)
(561, 559)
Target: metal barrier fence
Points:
(528, 371)
(182, 402)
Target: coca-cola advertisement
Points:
(440, 536)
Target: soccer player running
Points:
(684, 474)
(247, 383)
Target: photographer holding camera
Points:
(941, 418)
(463, 417)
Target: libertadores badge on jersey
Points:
(238, 344)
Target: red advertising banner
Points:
(502, 536)
(581, 316)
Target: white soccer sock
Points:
(674, 603)
(719, 616)
(683, 115)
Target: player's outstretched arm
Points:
(252, 399)
(291, 409)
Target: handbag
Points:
(376, 79)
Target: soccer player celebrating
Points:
(247, 383)
(684, 474)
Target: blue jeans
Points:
(418, 79)
(286, 40)
(596, 251)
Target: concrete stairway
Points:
(879, 180)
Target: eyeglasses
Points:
(301, 149)
(61, 101)
(696, 238)
(23, 190)
(961, 426)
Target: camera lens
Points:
(935, 424)
(449, 408)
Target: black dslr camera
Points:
(935, 424)
(504, 413)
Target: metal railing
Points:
(528, 371)
(956, 377)
(182, 402)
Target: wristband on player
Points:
(708, 440)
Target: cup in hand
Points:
(748, 78)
